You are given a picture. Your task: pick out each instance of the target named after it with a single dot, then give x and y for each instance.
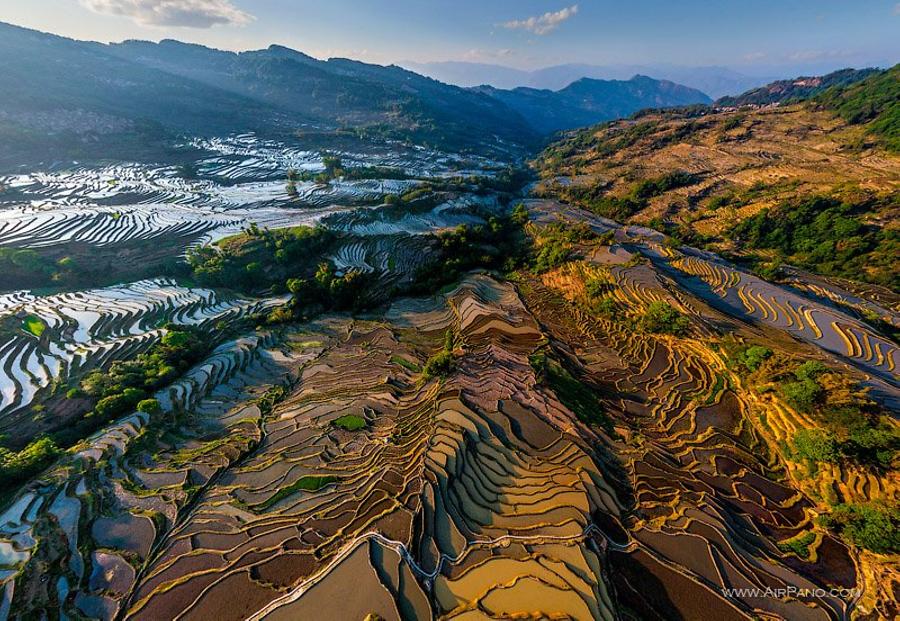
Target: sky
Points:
(755, 36)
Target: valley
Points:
(376, 361)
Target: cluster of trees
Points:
(129, 384)
(853, 427)
(663, 318)
(442, 363)
(327, 291)
(874, 101)
(258, 259)
(826, 235)
(16, 467)
(334, 168)
(261, 260)
(659, 317)
(20, 265)
(596, 199)
(873, 526)
(555, 244)
(499, 244)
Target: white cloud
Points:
(184, 13)
(479, 55)
(752, 56)
(542, 24)
(811, 55)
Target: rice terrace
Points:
(403, 337)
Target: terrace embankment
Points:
(489, 487)
(708, 454)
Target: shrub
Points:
(661, 317)
(149, 406)
(519, 215)
(16, 467)
(811, 369)
(754, 356)
(440, 364)
(872, 526)
(815, 445)
(799, 545)
(350, 422)
(802, 395)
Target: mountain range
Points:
(587, 101)
(713, 80)
(99, 93)
(803, 87)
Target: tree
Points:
(802, 395)
(149, 406)
(873, 526)
(815, 445)
(754, 356)
(661, 317)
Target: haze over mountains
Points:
(138, 95)
(587, 101)
(713, 80)
(68, 88)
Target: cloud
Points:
(542, 24)
(184, 13)
(478, 54)
(752, 56)
(810, 55)
(897, 9)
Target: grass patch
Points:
(309, 483)
(350, 422)
(799, 544)
(34, 325)
(406, 364)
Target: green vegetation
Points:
(443, 363)
(555, 244)
(327, 291)
(803, 392)
(309, 483)
(815, 445)
(872, 526)
(799, 544)
(595, 198)
(603, 144)
(499, 244)
(752, 358)
(406, 364)
(663, 318)
(16, 467)
(26, 266)
(350, 422)
(149, 406)
(69, 265)
(440, 364)
(34, 325)
(874, 102)
(853, 427)
(826, 236)
(259, 259)
(796, 89)
(127, 384)
(572, 393)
